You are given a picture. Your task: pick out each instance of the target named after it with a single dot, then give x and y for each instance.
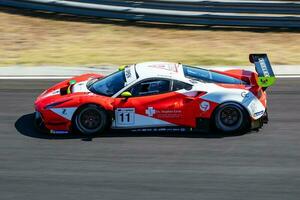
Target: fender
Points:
(244, 97)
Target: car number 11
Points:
(125, 116)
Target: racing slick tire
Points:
(90, 120)
(231, 118)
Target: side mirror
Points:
(126, 94)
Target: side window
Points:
(150, 87)
(178, 85)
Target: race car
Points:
(159, 96)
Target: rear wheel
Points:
(231, 118)
(90, 120)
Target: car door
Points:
(153, 104)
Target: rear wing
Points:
(266, 76)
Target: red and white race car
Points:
(159, 96)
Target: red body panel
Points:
(172, 107)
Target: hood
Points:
(65, 89)
(80, 87)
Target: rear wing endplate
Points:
(266, 76)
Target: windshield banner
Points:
(130, 74)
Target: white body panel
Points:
(66, 113)
(80, 87)
(140, 121)
(220, 95)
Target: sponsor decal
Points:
(247, 97)
(263, 67)
(204, 106)
(160, 129)
(127, 74)
(245, 94)
(264, 81)
(169, 114)
(166, 66)
(258, 113)
(150, 111)
(58, 132)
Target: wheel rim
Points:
(229, 118)
(89, 121)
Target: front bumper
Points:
(40, 125)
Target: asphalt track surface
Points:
(258, 165)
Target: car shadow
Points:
(25, 126)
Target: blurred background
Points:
(102, 32)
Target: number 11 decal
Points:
(124, 116)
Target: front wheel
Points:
(231, 118)
(90, 120)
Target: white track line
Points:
(67, 77)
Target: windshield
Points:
(109, 85)
(209, 76)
